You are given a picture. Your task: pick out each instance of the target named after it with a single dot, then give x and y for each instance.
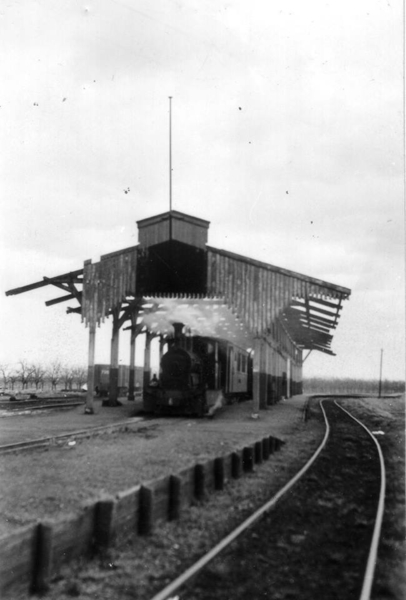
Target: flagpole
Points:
(170, 167)
(170, 152)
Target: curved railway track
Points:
(321, 530)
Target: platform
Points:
(25, 425)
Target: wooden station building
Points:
(173, 275)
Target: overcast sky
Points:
(287, 137)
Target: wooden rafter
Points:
(62, 299)
(72, 276)
(298, 304)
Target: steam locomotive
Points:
(197, 376)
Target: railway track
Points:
(76, 434)
(39, 404)
(316, 538)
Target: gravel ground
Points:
(60, 478)
(317, 538)
(142, 568)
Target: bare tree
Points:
(79, 376)
(24, 373)
(67, 376)
(5, 373)
(12, 378)
(55, 373)
(9, 376)
(38, 374)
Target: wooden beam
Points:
(301, 332)
(77, 310)
(325, 302)
(60, 299)
(298, 304)
(46, 281)
(324, 350)
(294, 315)
(58, 284)
(314, 325)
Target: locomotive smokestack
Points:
(177, 327)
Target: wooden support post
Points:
(145, 523)
(133, 338)
(104, 519)
(219, 473)
(89, 408)
(162, 343)
(43, 559)
(288, 377)
(300, 372)
(131, 376)
(147, 360)
(115, 338)
(248, 459)
(200, 482)
(256, 367)
(258, 452)
(216, 366)
(263, 390)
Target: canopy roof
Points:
(232, 296)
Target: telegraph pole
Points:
(380, 376)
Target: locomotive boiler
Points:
(197, 376)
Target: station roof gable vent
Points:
(173, 225)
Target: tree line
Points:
(26, 375)
(321, 385)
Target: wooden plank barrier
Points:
(187, 482)
(175, 495)
(17, 556)
(228, 467)
(126, 517)
(209, 481)
(154, 504)
(32, 555)
(73, 536)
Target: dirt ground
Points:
(145, 566)
(58, 479)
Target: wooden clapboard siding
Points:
(107, 283)
(260, 293)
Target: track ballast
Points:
(317, 539)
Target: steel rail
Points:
(204, 560)
(39, 442)
(373, 551)
(10, 409)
